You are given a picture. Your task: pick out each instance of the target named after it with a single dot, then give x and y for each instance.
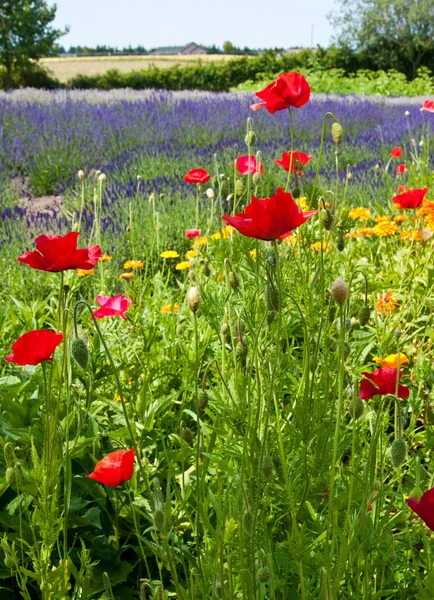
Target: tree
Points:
(25, 34)
(392, 33)
(228, 47)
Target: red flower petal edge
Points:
(34, 347)
(197, 176)
(424, 507)
(115, 468)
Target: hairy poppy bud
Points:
(250, 138)
(233, 280)
(341, 243)
(398, 333)
(264, 574)
(357, 408)
(225, 330)
(398, 453)
(11, 476)
(9, 562)
(193, 299)
(239, 188)
(337, 133)
(241, 352)
(256, 178)
(267, 466)
(327, 219)
(215, 181)
(80, 353)
(364, 314)
(272, 298)
(339, 290)
(248, 523)
(160, 520)
(187, 435)
(347, 349)
(218, 588)
(202, 400)
(9, 454)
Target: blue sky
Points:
(150, 23)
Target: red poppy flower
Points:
(410, 199)
(197, 176)
(396, 152)
(381, 382)
(428, 105)
(401, 168)
(112, 307)
(299, 159)
(115, 468)
(247, 165)
(289, 90)
(34, 347)
(424, 507)
(192, 233)
(402, 188)
(60, 253)
(269, 218)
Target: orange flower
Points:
(83, 272)
(385, 228)
(400, 218)
(133, 264)
(104, 257)
(386, 303)
(365, 231)
(126, 275)
(414, 235)
(317, 246)
(391, 361)
(359, 213)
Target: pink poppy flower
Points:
(192, 233)
(248, 165)
(112, 307)
(428, 105)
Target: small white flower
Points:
(210, 193)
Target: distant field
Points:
(66, 68)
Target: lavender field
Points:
(227, 411)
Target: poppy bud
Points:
(353, 321)
(296, 193)
(202, 401)
(250, 138)
(80, 174)
(218, 588)
(239, 187)
(9, 562)
(193, 299)
(225, 330)
(337, 133)
(339, 290)
(11, 476)
(80, 353)
(241, 352)
(187, 435)
(233, 280)
(341, 243)
(248, 523)
(160, 520)
(406, 114)
(102, 177)
(364, 314)
(347, 349)
(215, 181)
(377, 485)
(416, 493)
(267, 466)
(273, 298)
(398, 453)
(256, 178)
(9, 454)
(398, 333)
(264, 574)
(327, 219)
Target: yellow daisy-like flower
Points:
(400, 218)
(176, 308)
(104, 257)
(382, 218)
(169, 254)
(182, 266)
(385, 228)
(302, 203)
(200, 241)
(253, 253)
(84, 272)
(126, 275)
(414, 236)
(365, 231)
(166, 309)
(386, 303)
(192, 254)
(317, 246)
(391, 361)
(226, 232)
(359, 213)
(133, 264)
(427, 208)
(216, 236)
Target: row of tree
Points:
(372, 34)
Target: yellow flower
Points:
(169, 254)
(385, 228)
(391, 361)
(182, 266)
(200, 241)
(216, 236)
(83, 272)
(192, 254)
(166, 309)
(317, 246)
(411, 235)
(365, 231)
(126, 275)
(253, 253)
(302, 203)
(386, 303)
(133, 264)
(104, 257)
(226, 232)
(400, 218)
(176, 308)
(359, 213)
(382, 218)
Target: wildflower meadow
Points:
(217, 336)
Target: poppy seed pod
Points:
(398, 453)
(337, 133)
(256, 178)
(202, 400)
(339, 290)
(264, 574)
(80, 353)
(193, 299)
(187, 435)
(327, 219)
(364, 314)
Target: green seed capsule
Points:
(160, 520)
(80, 353)
(264, 574)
